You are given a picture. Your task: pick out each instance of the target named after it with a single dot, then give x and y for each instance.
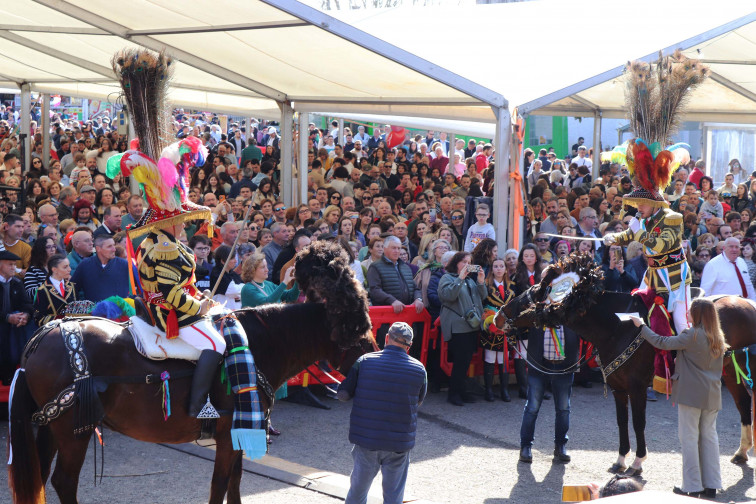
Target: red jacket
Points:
(695, 176)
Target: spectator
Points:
(258, 290)
(300, 239)
(56, 292)
(228, 284)
(527, 273)
(135, 208)
(38, 272)
(273, 249)
(698, 171)
(390, 281)
(727, 273)
(697, 390)
(581, 159)
(111, 222)
(480, 230)
(102, 274)
(616, 277)
(67, 199)
(15, 313)
(461, 314)
(13, 229)
(81, 243)
(383, 431)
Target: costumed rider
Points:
(660, 231)
(165, 265)
(665, 289)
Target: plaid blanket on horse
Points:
(249, 427)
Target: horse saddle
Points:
(151, 342)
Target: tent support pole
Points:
(287, 146)
(44, 120)
(302, 162)
(340, 137)
(596, 144)
(452, 138)
(26, 125)
(501, 178)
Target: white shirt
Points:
(582, 162)
(56, 284)
(362, 137)
(719, 277)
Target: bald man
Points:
(82, 243)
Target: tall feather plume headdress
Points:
(144, 77)
(655, 95)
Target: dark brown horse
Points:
(590, 312)
(284, 339)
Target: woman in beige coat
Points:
(698, 392)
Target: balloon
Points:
(396, 137)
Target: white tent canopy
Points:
(572, 63)
(476, 129)
(266, 57)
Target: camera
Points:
(473, 268)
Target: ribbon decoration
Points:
(519, 205)
(166, 389)
(557, 344)
(739, 372)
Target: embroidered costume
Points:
(654, 94)
(49, 303)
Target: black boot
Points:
(521, 374)
(207, 366)
(560, 454)
(488, 372)
(504, 384)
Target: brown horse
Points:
(284, 339)
(590, 311)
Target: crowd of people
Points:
(415, 220)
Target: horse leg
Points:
(225, 457)
(234, 482)
(638, 404)
(46, 450)
(620, 403)
(743, 402)
(71, 454)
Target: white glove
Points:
(609, 239)
(634, 225)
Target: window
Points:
(541, 130)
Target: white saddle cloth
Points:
(151, 342)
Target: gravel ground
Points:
(463, 455)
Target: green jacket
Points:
(458, 297)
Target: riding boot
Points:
(521, 374)
(503, 384)
(207, 366)
(488, 372)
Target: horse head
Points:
(324, 275)
(534, 308)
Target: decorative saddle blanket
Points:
(151, 342)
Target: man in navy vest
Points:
(387, 388)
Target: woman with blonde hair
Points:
(332, 215)
(258, 290)
(697, 390)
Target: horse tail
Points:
(24, 474)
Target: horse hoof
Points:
(633, 472)
(617, 468)
(739, 459)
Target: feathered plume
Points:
(654, 96)
(144, 77)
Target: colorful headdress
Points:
(144, 78)
(654, 96)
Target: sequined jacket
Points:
(166, 271)
(661, 236)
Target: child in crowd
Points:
(712, 207)
(481, 229)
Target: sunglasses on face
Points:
(541, 240)
(281, 209)
(456, 217)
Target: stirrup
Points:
(208, 411)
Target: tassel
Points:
(254, 442)
(165, 376)
(210, 230)
(171, 325)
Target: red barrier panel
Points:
(476, 365)
(379, 315)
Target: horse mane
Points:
(584, 294)
(325, 276)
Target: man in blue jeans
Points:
(387, 388)
(552, 353)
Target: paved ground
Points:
(463, 455)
